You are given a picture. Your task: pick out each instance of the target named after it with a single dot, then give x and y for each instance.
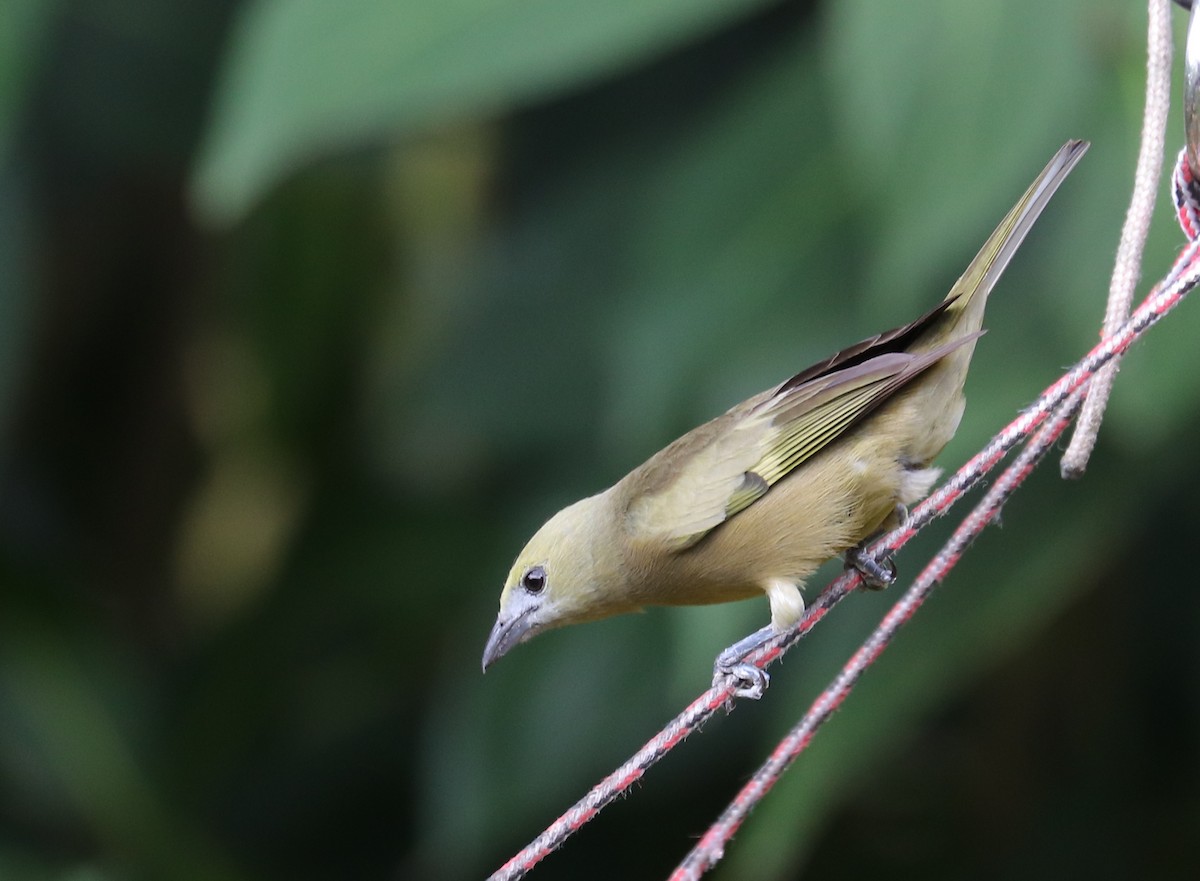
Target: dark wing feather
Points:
(898, 339)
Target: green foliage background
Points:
(312, 311)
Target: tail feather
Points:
(974, 285)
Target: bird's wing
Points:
(709, 476)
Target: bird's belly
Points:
(839, 498)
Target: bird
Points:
(754, 501)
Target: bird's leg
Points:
(747, 680)
(877, 572)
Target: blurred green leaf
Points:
(305, 77)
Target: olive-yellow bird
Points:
(755, 500)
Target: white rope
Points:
(1128, 264)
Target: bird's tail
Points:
(971, 290)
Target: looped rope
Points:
(1187, 197)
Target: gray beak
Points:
(507, 633)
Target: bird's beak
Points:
(507, 632)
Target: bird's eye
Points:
(534, 579)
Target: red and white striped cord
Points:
(711, 846)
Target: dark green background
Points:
(311, 311)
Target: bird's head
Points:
(561, 577)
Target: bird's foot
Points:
(746, 680)
(877, 573)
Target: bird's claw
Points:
(746, 680)
(877, 574)
(732, 671)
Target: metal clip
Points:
(1191, 92)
